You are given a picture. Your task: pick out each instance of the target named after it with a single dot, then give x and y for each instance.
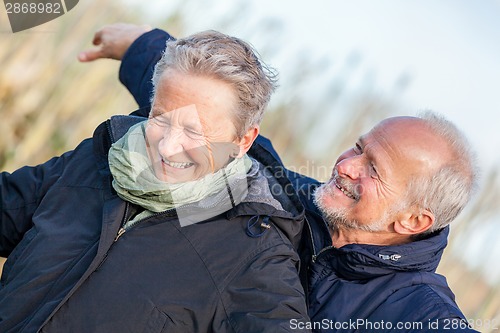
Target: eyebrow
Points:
(362, 140)
(155, 112)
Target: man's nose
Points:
(172, 142)
(352, 167)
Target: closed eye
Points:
(193, 133)
(357, 149)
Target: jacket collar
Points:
(289, 219)
(361, 261)
(119, 125)
(357, 261)
(106, 134)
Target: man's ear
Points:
(247, 140)
(414, 223)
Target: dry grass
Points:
(49, 101)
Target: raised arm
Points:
(138, 64)
(112, 41)
(139, 48)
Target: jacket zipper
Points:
(124, 229)
(124, 220)
(110, 133)
(315, 256)
(311, 238)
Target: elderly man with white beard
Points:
(377, 229)
(389, 188)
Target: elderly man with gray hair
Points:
(377, 229)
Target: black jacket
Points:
(359, 287)
(66, 273)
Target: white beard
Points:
(337, 217)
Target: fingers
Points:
(90, 55)
(97, 37)
(93, 54)
(112, 41)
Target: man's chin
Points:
(338, 217)
(325, 199)
(169, 178)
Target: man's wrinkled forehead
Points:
(187, 115)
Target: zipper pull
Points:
(120, 233)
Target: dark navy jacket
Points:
(67, 271)
(356, 288)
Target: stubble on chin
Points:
(336, 218)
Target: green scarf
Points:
(134, 179)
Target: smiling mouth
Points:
(177, 165)
(343, 189)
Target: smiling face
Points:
(190, 132)
(369, 182)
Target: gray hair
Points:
(447, 191)
(230, 60)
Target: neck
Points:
(344, 236)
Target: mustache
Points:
(355, 190)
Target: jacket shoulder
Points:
(420, 303)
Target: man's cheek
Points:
(211, 158)
(222, 152)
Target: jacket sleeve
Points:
(136, 69)
(266, 295)
(20, 194)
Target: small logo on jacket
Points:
(26, 14)
(392, 257)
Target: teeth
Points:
(178, 165)
(348, 194)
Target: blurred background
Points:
(344, 66)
